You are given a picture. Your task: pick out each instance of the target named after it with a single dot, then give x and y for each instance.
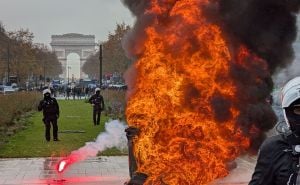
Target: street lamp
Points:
(8, 63)
(100, 64)
(44, 65)
(7, 40)
(69, 67)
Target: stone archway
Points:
(73, 60)
(63, 45)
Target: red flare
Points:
(64, 163)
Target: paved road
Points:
(94, 171)
(240, 175)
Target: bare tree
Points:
(114, 58)
(24, 59)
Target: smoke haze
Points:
(114, 136)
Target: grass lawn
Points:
(74, 115)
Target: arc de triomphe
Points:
(63, 45)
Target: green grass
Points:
(113, 152)
(74, 115)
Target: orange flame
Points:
(181, 141)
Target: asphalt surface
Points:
(93, 171)
(41, 171)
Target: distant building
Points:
(63, 45)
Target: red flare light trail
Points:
(65, 162)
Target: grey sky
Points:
(47, 17)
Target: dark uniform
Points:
(68, 92)
(86, 90)
(98, 106)
(277, 162)
(50, 109)
(278, 158)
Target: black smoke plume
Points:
(267, 28)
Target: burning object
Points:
(136, 178)
(131, 132)
(202, 76)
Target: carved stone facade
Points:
(63, 45)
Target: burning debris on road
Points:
(202, 73)
(137, 178)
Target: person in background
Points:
(86, 91)
(50, 109)
(68, 92)
(73, 92)
(98, 106)
(78, 92)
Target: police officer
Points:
(98, 105)
(278, 158)
(50, 109)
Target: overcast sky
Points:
(55, 17)
(49, 17)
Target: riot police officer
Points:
(50, 109)
(279, 156)
(98, 105)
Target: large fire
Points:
(184, 136)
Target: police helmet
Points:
(97, 89)
(291, 103)
(45, 91)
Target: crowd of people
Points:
(78, 91)
(69, 92)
